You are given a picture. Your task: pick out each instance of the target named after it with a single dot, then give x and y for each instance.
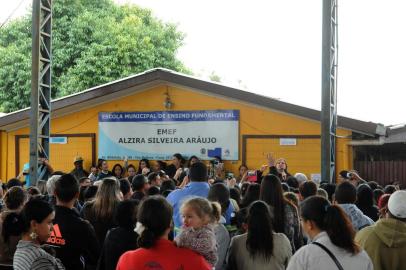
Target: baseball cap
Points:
(77, 158)
(397, 204)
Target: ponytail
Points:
(332, 220)
(339, 229)
(147, 239)
(155, 217)
(13, 225)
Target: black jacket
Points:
(75, 240)
(118, 240)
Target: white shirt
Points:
(315, 258)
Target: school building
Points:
(260, 125)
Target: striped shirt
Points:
(30, 256)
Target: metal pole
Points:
(40, 115)
(329, 90)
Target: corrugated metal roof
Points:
(165, 75)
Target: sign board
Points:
(158, 135)
(58, 140)
(287, 141)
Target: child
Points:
(199, 216)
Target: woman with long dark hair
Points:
(14, 201)
(143, 164)
(154, 220)
(332, 236)
(285, 214)
(365, 202)
(259, 248)
(118, 171)
(35, 224)
(252, 194)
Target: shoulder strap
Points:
(340, 267)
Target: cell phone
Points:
(252, 176)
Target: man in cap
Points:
(385, 242)
(79, 172)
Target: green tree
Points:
(94, 42)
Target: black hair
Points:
(190, 160)
(114, 170)
(220, 193)
(138, 182)
(332, 219)
(66, 188)
(167, 185)
(170, 170)
(242, 165)
(125, 186)
(139, 171)
(15, 224)
(15, 197)
(33, 191)
(365, 196)
(235, 194)
(377, 194)
(100, 162)
(389, 189)
(272, 193)
(307, 189)
(152, 177)
(252, 194)
(330, 188)
(162, 164)
(372, 184)
(83, 179)
(240, 219)
(90, 192)
(126, 214)
(153, 190)
(131, 166)
(155, 214)
(198, 172)
(259, 236)
(14, 182)
(166, 193)
(292, 182)
(345, 193)
(82, 191)
(180, 158)
(244, 188)
(285, 187)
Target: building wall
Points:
(254, 120)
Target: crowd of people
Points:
(193, 215)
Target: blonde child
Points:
(199, 217)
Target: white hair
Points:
(51, 184)
(301, 177)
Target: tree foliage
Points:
(94, 42)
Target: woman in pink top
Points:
(156, 251)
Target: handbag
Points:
(340, 267)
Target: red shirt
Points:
(164, 255)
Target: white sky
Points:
(273, 48)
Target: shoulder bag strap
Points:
(340, 267)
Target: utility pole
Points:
(40, 115)
(329, 90)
